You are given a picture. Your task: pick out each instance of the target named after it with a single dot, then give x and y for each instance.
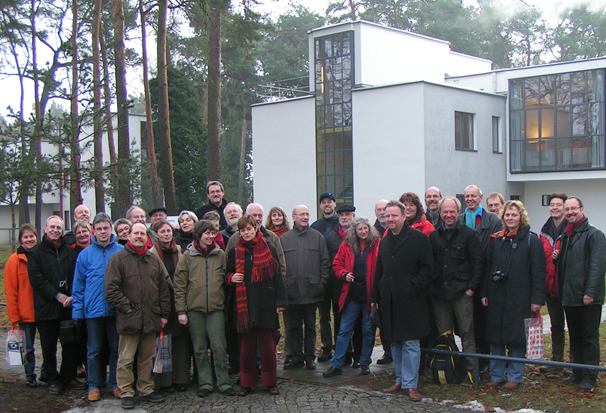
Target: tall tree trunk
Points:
(75, 191)
(124, 162)
(151, 146)
(36, 144)
(109, 126)
(168, 178)
(214, 91)
(25, 184)
(97, 110)
(242, 166)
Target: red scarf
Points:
(503, 233)
(342, 233)
(141, 251)
(279, 231)
(219, 241)
(571, 227)
(264, 268)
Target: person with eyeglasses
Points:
(553, 228)
(580, 259)
(307, 272)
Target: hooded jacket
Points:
(199, 281)
(136, 285)
(18, 289)
(89, 280)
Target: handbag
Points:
(164, 355)
(69, 332)
(534, 336)
(375, 316)
(15, 347)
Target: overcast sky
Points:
(549, 8)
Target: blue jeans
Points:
(406, 359)
(96, 328)
(515, 371)
(349, 316)
(29, 330)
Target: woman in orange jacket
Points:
(20, 297)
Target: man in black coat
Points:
(404, 268)
(51, 266)
(458, 271)
(581, 261)
(215, 193)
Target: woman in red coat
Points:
(20, 297)
(415, 214)
(354, 265)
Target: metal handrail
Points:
(476, 370)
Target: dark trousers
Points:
(248, 357)
(479, 322)
(29, 330)
(49, 335)
(297, 314)
(328, 336)
(558, 336)
(583, 328)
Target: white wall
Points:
(591, 192)
(388, 150)
(284, 154)
(452, 170)
(462, 64)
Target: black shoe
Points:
(386, 359)
(310, 364)
(203, 393)
(294, 364)
(55, 388)
(180, 387)
(77, 385)
(127, 403)
(586, 386)
(355, 364)
(333, 371)
(229, 392)
(324, 357)
(364, 371)
(168, 389)
(31, 382)
(573, 379)
(549, 369)
(152, 398)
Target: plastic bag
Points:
(534, 336)
(164, 355)
(15, 347)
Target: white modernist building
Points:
(57, 202)
(391, 111)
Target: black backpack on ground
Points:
(445, 368)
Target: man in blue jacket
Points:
(90, 304)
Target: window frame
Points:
(459, 131)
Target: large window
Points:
(464, 131)
(557, 122)
(334, 80)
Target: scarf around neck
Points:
(169, 249)
(571, 227)
(202, 250)
(141, 251)
(264, 268)
(279, 231)
(470, 217)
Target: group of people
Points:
(218, 280)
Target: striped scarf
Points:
(264, 268)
